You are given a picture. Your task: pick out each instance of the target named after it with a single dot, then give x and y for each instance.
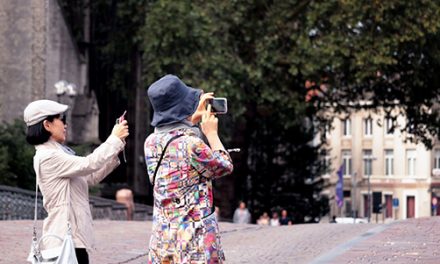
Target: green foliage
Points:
(16, 156)
(230, 48)
(259, 54)
(383, 51)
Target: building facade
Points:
(36, 51)
(385, 178)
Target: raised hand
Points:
(201, 108)
(121, 130)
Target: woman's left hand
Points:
(201, 108)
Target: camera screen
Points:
(219, 105)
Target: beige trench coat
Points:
(63, 175)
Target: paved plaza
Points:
(414, 240)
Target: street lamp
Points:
(63, 87)
(369, 159)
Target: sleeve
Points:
(99, 175)
(235, 218)
(66, 165)
(150, 158)
(209, 163)
(248, 217)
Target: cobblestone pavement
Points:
(415, 240)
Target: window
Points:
(348, 209)
(389, 162)
(328, 130)
(437, 159)
(368, 126)
(411, 162)
(327, 161)
(388, 126)
(368, 162)
(347, 202)
(346, 160)
(346, 127)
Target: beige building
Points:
(400, 175)
(37, 50)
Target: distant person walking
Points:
(275, 220)
(125, 196)
(182, 167)
(285, 219)
(64, 178)
(241, 214)
(264, 219)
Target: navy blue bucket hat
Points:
(172, 100)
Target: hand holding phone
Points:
(219, 105)
(121, 118)
(118, 121)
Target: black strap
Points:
(161, 156)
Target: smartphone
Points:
(121, 118)
(219, 105)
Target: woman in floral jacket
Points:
(185, 228)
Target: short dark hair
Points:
(37, 134)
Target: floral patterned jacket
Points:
(185, 229)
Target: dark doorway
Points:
(410, 206)
(388, 206)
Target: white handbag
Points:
(57, 255)
(63, 254)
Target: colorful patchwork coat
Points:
(185, 228)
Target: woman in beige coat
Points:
(63, 177)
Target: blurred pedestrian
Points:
(181, 168)
(217, 213)
(285, 219)
(241, 214)
(275, 220)
(125, 197)
(264, 219)
(63, 177)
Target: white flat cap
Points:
(38, 110)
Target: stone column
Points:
(39, 29)
(140, 180)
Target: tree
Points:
(16, 156)
(227, 48)
(110, 40)
(263, 56)
(385, 53)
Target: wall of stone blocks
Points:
(37, 49)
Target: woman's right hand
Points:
(121, 130)
(209, 124)
(201, 108)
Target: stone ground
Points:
(414, 240)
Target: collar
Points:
(52, 144)
(183, 125)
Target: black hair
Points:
(37, 134)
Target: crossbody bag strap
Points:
(69, 205)
(37, 175)
(35, 248)
(161, 156)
